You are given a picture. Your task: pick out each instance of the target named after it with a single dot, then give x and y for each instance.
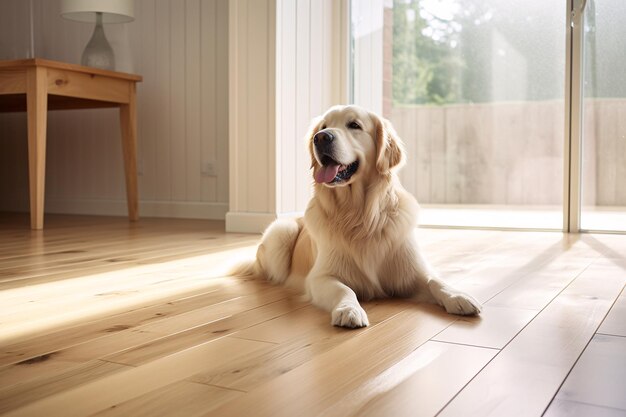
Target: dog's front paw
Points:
(349, 315)
(461, 303)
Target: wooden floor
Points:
(102, 317)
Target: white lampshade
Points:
(113, 11)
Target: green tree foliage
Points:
(425, 70)
(462, 51)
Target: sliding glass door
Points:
(603, 205)
(475, 88)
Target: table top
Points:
(80, 79)
(38, 62)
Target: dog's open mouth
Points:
(332, 172)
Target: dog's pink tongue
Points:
(326, 173)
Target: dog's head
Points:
(349, 144)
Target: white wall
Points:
(306, 86)
(252, 104)
(367, 28)
(286, 66)
(181, 49)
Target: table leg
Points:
(128, 121)
(37, 107)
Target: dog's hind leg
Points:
(273, 258)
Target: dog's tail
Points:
(273, 256)
(243, 268)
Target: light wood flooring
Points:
(102, 317)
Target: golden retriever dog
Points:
(356, 240)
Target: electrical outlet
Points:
(208, 169)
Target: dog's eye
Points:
(354, 125)
(323, 127)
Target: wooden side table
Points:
(38, 85)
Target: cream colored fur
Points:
(357, 238)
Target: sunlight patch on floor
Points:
(34, 308)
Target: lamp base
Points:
(98, 53)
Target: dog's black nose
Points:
(323, 138)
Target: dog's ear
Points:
(316, 123)
(389, 147)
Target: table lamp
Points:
(98, 53)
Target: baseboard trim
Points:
(188, 210)
(173, 209)
(236, 222)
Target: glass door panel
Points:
(604, 117)
(475, 89)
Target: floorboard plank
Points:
(599, 377)
(182, 398)
(494, 328)
(121, 318)
(87, 330)
(524, 377)
(132, 346)
(228, 322)
(615, 322)
(419, 385)
(563, 408)
(99, 265)
(126, 383)
(28, 392)
(340, 368)
(298, 338)
(113, 293)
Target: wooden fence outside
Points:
(510, 153)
